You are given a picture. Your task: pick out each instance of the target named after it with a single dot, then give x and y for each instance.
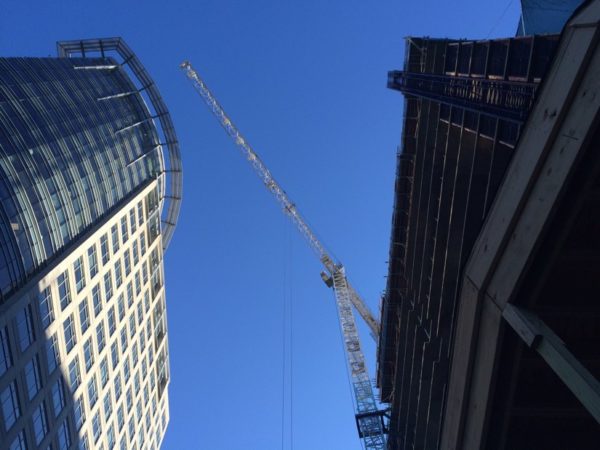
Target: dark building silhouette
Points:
(489, 322)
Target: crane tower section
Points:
(369, 420)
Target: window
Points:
(120, 417)
(107, 286)
(83, 443)
(96, 428)
(150, 354)
(134, 354)
(104, 249)
(5, 358)
(92, 392)
(126, 369)
(142, 341)
(132, 222)
(88, 354)
(97, 300)
(52, 353)
(140, 313)
(64, 292)
(103, 371)
(79, 274)
(149, 329)
(124, 232)
(74, 374)
(141, 437)
(129, 294)
(127, 263)
(110, 437)
(118, 274)
(152, 379)
(132, 328)
(79, 412)
(156, 283)
(129, 399)
(121, 306)
(64, 436)
(144, 273)
(100, 336)
(40, 423)
(114, 236)
(153, 228)
(58, 397)
(124, 338)
(118, 387)
(131, 428)
(84, 316)
(136, 384)
(140, 214)
(10, 405)
(143, 242)
(32, 377)
(134, 252)
(144, 368)
(24, 328)
(112, 322)
(107, 405)
(154, 259)
(45, 304)
(114, 354)
(69, 329)
(147, 301)
(138, 284)
(19, 443)
(92, 261)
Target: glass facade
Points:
(76, 139)
(74, 375)
(90, 190)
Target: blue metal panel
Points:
(545, 16)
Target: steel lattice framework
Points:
(370, 421)
(171, 180)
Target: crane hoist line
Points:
(369, 419)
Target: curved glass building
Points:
(90, 190)
(76, 139)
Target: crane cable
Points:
(283, 352)
(287, 336)
(291, 322)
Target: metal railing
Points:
(508, 100)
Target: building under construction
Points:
(490, 325)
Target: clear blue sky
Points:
(305, 82)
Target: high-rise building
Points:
(489, 328)
(90, 184)
(465, 105)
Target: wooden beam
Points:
(537, 335)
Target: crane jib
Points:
(370, 421)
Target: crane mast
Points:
(370, 421)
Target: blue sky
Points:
(305, 82)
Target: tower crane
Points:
(370, 420)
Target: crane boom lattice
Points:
(369, 420)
